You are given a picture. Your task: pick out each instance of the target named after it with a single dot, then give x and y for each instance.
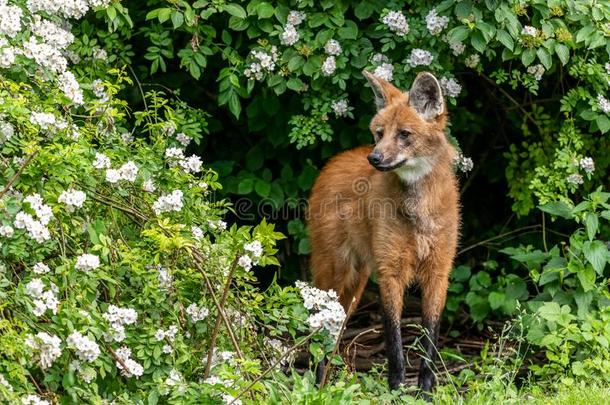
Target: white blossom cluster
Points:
(472, 61)
(254, 251)
(340, 107)
(101, 161)
(132, 367)
(46, 347)
(6, 231)
(457, 48)
(66, 8)
(575, 179)
(218, 357)
(529, 31)
(68, 84)
(99, 90)
(148, 185)
(169, 333)
(87, 262)
(450, 86)
(379, 58)
(86, 348)
(330, 314)
(41, 268)
(72, 198)
(537, 71)
(278, 349)
(36, 228)
(128, 172)
(420, 57)
(183, 138)
(168, 202)
(7, 130)
(384, 71)
(290, 35)
(463, 163)
(197, 313)
(328, 66)
(164, 277)
(10, 19)
(217, 224)
(42, 299)
(197, 232)
(603, 103)
(191, 164)
(42, 119)
(333, 47)
(587, 164)
(117, 318)
(295, 17)
(262, 62)
(396, 22)
(34, 400)
(5, 383)
(435, 23)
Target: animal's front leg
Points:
(392, 291)
(434, 292)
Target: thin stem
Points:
(336, 348)
(503, 235)
(223, 300)
(546, 250)
(16, 175)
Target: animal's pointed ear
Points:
(383, 90)
(426, 96)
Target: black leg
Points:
(394, 353)
(320, 371)
(427, 379)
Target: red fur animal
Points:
(392, 209)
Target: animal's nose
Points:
(375, 158)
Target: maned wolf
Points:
(391, 209)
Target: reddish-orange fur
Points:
(362, 220)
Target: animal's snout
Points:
(375, 158)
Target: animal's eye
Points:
(379, 132)
(404, 133)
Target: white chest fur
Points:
(415, 169)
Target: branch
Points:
(16, 175)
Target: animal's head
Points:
(408, 127)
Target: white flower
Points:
(127, 137)
(536, 70)
(132, 368)
(472, 61)
(34, 288)
(160, 335)
(36, 229)
(97, 86)
(330, 314)
(183, 138)
(197, 232)
(192, 164)
(168, 202)
(457, 48)
(149, 186)
(120, 316)
(262, 62)
(164, 277)
(604, 103)
(171, 332)
(174, 154)
(87, 262)
(245, 262)
(332, 47)
(295, 17)
(7, 130)
(68, 84)
(420, 57)
(47, 348)
(72, 198)
(41, 268)
(6, 231)
(218, 224)
(384, 71)
(34, 400)
(575, 179)
(396, 22)
(435, 23)
(7, 56)
(174, 378)
(197, 313)
(10, 19)
(463, 163)
(128, 171)
(450, 86)
(328, 66)
(86, 348)
(340, 107)
(51, 33)
(45, 55)
(100, 54)
(167, 349)
(289, 36)
(254, 247)
(42, 119)
(113, 176)
(587, 164)
(379, 58)
(101, 161)
(528, 30)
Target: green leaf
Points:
(496, 299)
(478, 41)
(558, 209)
(461, 273)
(255, 159)
(505, 39)
(235, 10)
(364, 10)
(265, 10)
(177, 19)
(592, 225)
(596, 253)
(262, 188)
(562, 52)
(349, 30)
(528, 56)
(245, 186)
(603, 123)
(586, 276)
(458, 34)
(545, 58)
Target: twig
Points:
(118, 359)
(356, 332)
(503, 235)
(223, 300)
(273, 366)
(336, 348)
(16, 175)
